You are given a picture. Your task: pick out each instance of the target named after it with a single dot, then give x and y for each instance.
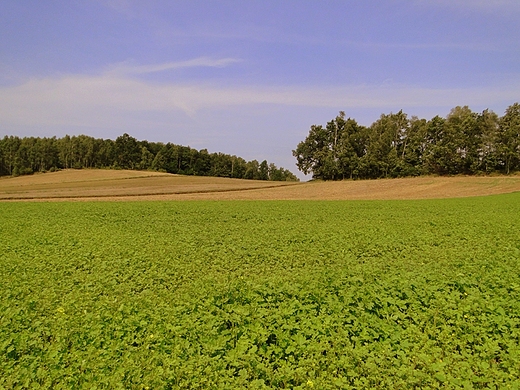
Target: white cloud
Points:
(126, 68)
(79, 100)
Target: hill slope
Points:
(120, 184)
(143, 185)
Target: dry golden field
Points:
(90, 184)
(122, 185)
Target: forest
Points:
(395, 145)
(22, 156)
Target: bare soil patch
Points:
(138, 185)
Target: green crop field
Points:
(261, 294)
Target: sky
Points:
(248, 78)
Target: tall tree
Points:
(10, 146)
(463, 139)
(263, 171)
(387, 143)
(312, 152)
(146, 159)
(435, 152)
(320, 152)
(509, 139)
(350, 148)
(412, 155)
(202, 166)
(128, 152)
(488, 123)
(251, 170)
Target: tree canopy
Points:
(395, 145)
(21, 156)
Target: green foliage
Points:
(325, 295)
(395, 146)
(23, 156)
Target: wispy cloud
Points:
(127, 68)
(80, 100)
(123, 7)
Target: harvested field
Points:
(118, 184)
(143, 185)
(382, 189)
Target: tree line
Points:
(22, 156)
(464, 142)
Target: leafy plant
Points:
(328, 295)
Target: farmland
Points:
(261, 294)
(124, 185)
(91, 184)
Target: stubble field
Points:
(120, 185)
(261, 294)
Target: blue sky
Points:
(248, 77)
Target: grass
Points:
(279, 294)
